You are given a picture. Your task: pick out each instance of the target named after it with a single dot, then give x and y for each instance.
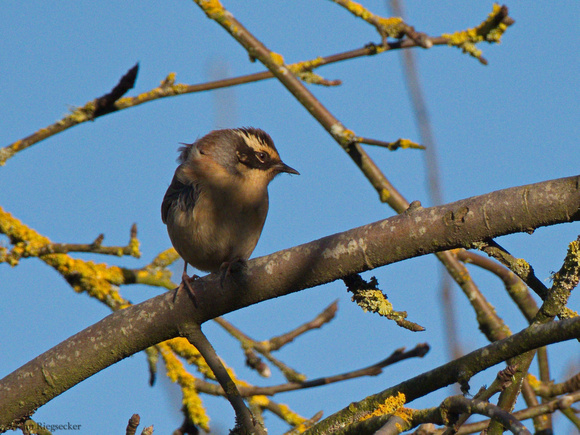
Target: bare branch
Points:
(408, 235)
(321, 319)
(169, 88)
(275, 343)
(289, 373)
(517, 265)
(244, 418)
(376, 369)
(515, 287)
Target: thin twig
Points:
(321, 319)
(554, 302)
(289, 373)
(515, 287)
(244, 418)
(391, 146)
(96, 247)
(517, 265)
(275, 343)
(419, 350)
(169, 88)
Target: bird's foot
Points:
(186, 285)
(231, 267)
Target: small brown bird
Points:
(217, 202)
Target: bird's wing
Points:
(178, 195)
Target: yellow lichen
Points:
(357, 9)
(277, 58)
(185, 349)
(570, 267)
(260, 400)
(483, 32)
(213, 8)
(384, 195)
(306, 65)
(98, 280)
(522, 266)
(169, 80)
(165, 258)
(489, 30)
(345, 136)
(310, 77)
(392, 26)
(134, 246)
(9, 151)
(81, 114)
(533, 381)
(179, 88)
(404, 413)
(304, 70)
(373, 301)
(155, 277)
(290, 416)
(567, 313)
(173, 367)
(194, 407)
(391, 406)
(407, 143)
(176, 373)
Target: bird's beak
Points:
(283, 167)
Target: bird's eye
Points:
(262, 156)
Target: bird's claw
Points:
(186, 284)
(229, 267)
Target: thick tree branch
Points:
(418, 232)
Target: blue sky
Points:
(513, 122)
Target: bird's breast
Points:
(219, 229)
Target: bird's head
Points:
(245, 158)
